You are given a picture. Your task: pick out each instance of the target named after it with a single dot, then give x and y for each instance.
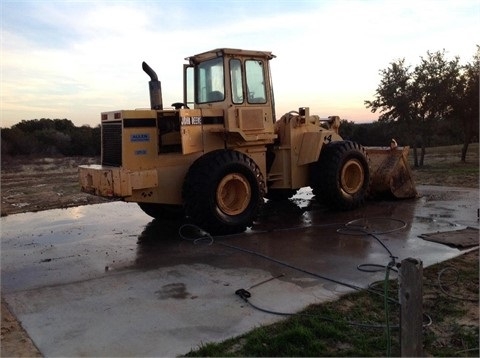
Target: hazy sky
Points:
(75, 59)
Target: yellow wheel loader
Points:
(216, 155)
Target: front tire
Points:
(223, 191)
(341, 177)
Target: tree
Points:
(393, 99)
(86, 141)
(33, 125)
(393, 93)
(64, 125)
(17, 142)
(53, 141)
(419, 100)
(435, 83)
(50, 137)
(466, 101)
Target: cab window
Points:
(255, 81)
(236, 81)
(210, 83)
(189, 99)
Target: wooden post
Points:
(410, 293)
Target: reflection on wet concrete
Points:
(303, 233)
(117, 236)
(107, 257)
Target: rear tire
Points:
(341, 177)
(162, 211)
(223, 191)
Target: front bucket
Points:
(390, 173)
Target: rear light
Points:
(104, 117)
(117, 115)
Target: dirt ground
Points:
(35, 184)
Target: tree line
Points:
(50, 137)
(438, 98)
(434, 103)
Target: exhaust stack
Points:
(154, 86)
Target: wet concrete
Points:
(106, 280)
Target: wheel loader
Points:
(215, 156)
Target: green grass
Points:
(320, 330)
(442, 166)
(325, 329)
(308, 336)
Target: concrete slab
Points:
(106, 280)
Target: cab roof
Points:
(228, 51)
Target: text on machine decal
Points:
(187, 121)
(140, 137)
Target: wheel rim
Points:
(233, 194)
(352, 176)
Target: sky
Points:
(76, 59)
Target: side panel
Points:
(104, 181)
(192, 139)
(139, 147)
(144, 179)
(170, 180)
(251, 119)
(191, 122)
(310, 147)
(252, 125)
(115, 182)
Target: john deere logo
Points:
(143, 137)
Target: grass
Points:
(320, 330)
(442, 166)
(308, 335)
(326, 329)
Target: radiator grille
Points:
(112, 143)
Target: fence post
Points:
(410, 293)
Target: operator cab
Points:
(223, 78)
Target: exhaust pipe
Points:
(154, 86)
